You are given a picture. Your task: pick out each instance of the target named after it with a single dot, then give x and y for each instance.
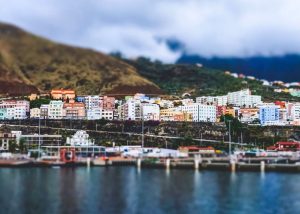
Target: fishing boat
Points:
(8, 159)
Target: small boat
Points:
(8, 159)
(50, 161)
(14, 162)
(104, 161)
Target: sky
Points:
(224, 28)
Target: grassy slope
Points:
(26, 58)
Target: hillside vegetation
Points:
(177, 79)
(29, 63)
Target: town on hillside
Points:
(65, 104)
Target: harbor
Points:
(262, 164)
(79, 150)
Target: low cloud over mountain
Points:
(144, 27)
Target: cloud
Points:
(146, 27)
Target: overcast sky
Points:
(141, 27)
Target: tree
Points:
(22, 147)
(12, 146)
(236, 125)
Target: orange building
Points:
(74, 110)
(248, 114)
(172, 115)
(61, 94)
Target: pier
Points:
(224, 164)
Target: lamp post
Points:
(229, 122)
(39, 154)
(142, 131)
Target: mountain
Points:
(29, 63)
(179, 79)
(285, 68)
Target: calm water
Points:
(153, 191)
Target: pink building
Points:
(15, 103)
(74, 110)
(107, 103)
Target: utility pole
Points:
(142, 118)
(39, 154)
(142, 132)
(230, 137)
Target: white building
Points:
(200, 112)
(295, 112)
(243, 98)
(214, 100)
(55, 110)
(150, 111)
(15, 109)
(107, 114)
(131, 110)
(94, 114)
(35, 113)
(92, 102)
(80, 138)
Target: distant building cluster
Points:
(64, 104)
(277, 86)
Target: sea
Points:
(149, 191)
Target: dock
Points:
(223, 164)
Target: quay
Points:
(224, 164)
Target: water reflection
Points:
(127, 190)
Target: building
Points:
(94, 114)
(80, 138)
(233, 111)
(269, 115)
(221, 110)
(150, 111)
(55, 110)
(32, 141)
(15, 109)
(172, 114)
(3, 114)
(73, 110)
(107, 103)
(35, 113)
(200, 112)
(44, 111)
(107, 114)
(248, 115)
(61, 94)
(92, 102)
(210, 100)
(33, 97)
(295, 112)
(243, 98)
(5, 139)
(131, 110)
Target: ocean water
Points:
(149, 191)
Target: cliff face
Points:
(29, 63)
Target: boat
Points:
(9, 159)
(50, 161)
(104, 161)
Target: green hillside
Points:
(178, 79)
(33, 63)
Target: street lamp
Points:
(229, 123)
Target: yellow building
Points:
(171, 114)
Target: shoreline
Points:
(168, 165)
